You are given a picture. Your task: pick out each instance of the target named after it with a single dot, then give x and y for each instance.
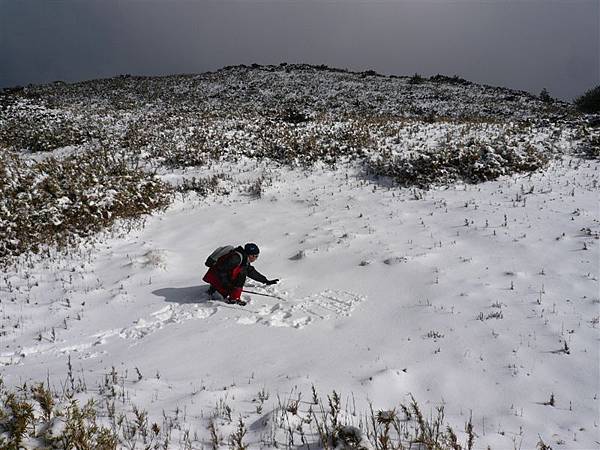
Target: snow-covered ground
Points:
(482, 298)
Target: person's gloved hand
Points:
(270, 282)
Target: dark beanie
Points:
(251, 249)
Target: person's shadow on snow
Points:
(191, 294)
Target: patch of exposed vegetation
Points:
(56, 201)
(202, 186)
(33, 126)
(36, 416)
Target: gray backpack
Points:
(219, 252)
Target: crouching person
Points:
(228, 274)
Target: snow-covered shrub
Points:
(28, 125)
(292, 114)
(175, 140)
(17, 417)
(404, 427)
(56, 200)
(307, 144)
(592, 149)
(472, 164)
(174, 155)
(589, 142)
(27, 422)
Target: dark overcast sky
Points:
(521, 44)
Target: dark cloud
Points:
(524, 44)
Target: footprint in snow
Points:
(298, 314)
(155, 258)
(59, 347)
(294, 314)
(168, 314)
(330, 304)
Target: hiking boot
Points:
(232, 301)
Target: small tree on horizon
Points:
(545, 96)
(589, 102)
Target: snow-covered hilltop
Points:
(433, 237)
(251, 99)
(261, 90)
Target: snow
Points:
(483, 299)
(465, 296)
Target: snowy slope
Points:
(481, 298)
(464, 296)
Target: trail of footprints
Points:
(326, 305)
(164, 316)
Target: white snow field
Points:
(483, 299)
